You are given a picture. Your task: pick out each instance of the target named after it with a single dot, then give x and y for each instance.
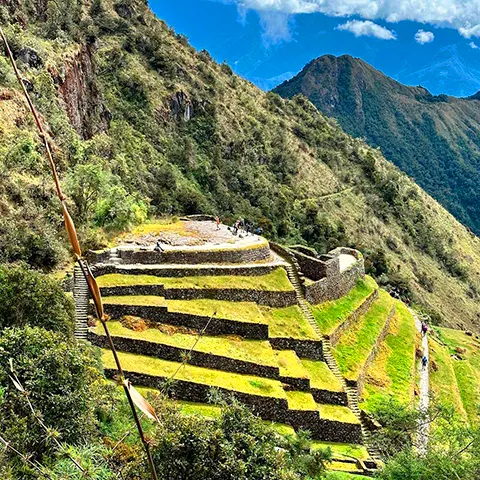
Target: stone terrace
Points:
(260, 341)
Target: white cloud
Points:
(367, 29)
(462, 15)
(423, 37)
(473, 45)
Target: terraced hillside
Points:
(245, 329)
(455, 371)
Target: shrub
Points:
(31, 298)
(63, 385)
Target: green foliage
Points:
(64, 386)
(34, 299)
(236, 445)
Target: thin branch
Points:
(35, 465)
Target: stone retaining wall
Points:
(176, 354)
(317, 268)
(217, 326)
(311, 349)
(295, 383)
(333, 431)
(194, 271)
(352, 318)
(335, 287)
(329, 397)
(360, 382)
(261, 297)
(268, 408)
(252, 254)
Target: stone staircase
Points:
(114, 257)
(297, 280)
(81, 298)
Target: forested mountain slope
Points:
(142, 124)
(434, 139)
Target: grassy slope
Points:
(214, 378)
(330, 315)
(275, 281)
(355, 345)
(289, 364)
(321, 376)
(300, 401)
(264, 186)
(241, 311)
(337, 413)
(392, 373)
(467, 370)
(255, 351)
(443, 381)
(288, 322)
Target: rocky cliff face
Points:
(83, 101)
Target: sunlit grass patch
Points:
(330, 315)
(300, 401)
(289, 364)
(321, 377)
(207, 376)
(288, 322)
(355, 345)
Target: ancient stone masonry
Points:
(311, 349)
(261, 297)
(191, 256)
(337, 284)
(216, 326)
(176, 354)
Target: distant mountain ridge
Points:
(435, 139)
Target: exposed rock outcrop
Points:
(83, 101)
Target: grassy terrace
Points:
(467, 370)
(443, 382)
(240, 311)
(355, 345)
(289, 364)
(344, 449)
(206, 376)
(337, 413)
(330, 315)
(300, 401)
(393, 371)
(255, 351)
(321, 377)
(274, 281)
(288, 322)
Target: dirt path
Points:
(424, 428)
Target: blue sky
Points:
(435, 43)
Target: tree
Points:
(32, 298)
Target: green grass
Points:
(274, 281)
(467, 370)
(355, 345)
(213, 378)
(255, 351)
(393, 371)
(344, 476)
(337, 413)
(289, 364)
(343, 449)
(240, 311)
(300, 401)
(330, 315)
(282, 429)
(151, 300)
(321, 376)
(288, 322)
(342, 467)
(443, 381)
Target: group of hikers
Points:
(248, 228)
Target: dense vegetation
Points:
(141, 124)
(434, 139)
